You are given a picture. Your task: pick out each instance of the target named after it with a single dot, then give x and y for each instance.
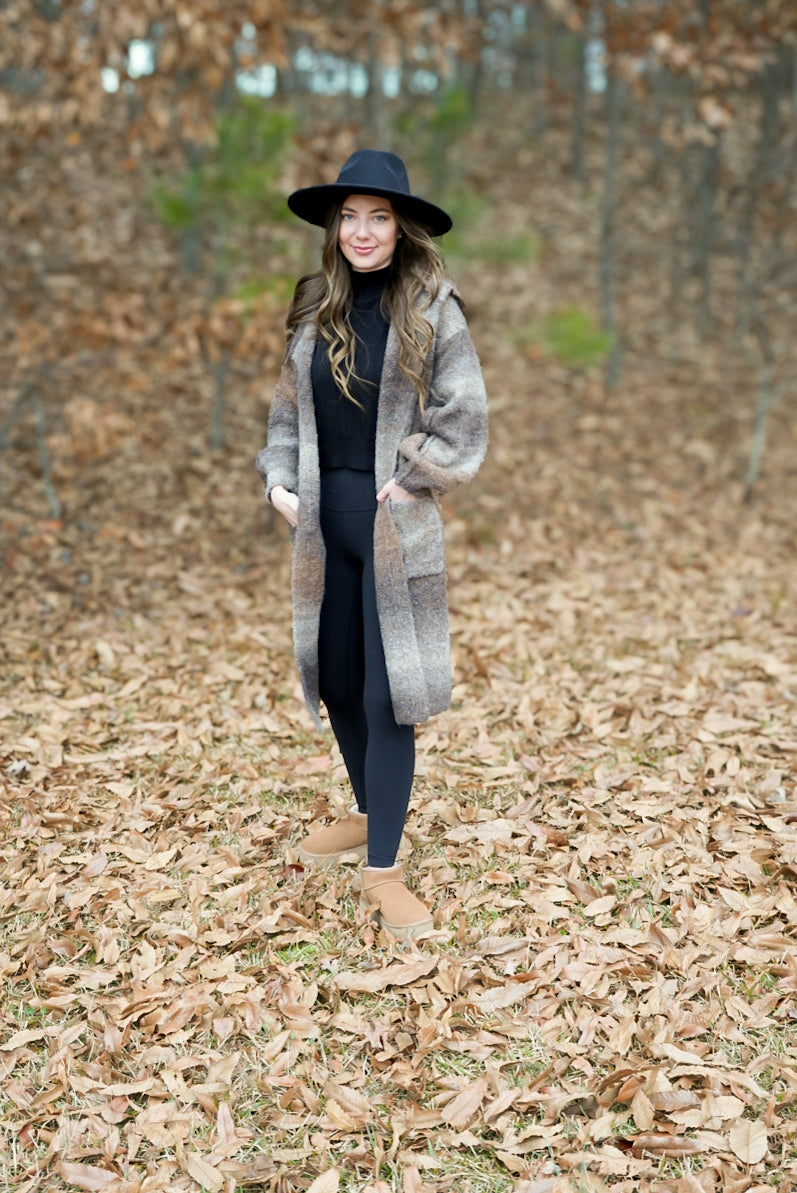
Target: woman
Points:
(380, 407)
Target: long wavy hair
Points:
(326, 298)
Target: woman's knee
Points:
(336, 691)
(379, 709)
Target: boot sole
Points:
(400, 931)
(327, 861)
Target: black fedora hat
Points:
(369, 172)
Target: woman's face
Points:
(368, 232)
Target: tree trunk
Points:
(475, 71)
(679, 240)
(579, 108)
(376, 100)
(31, 391)
(763, 169)
(538, 31)
(766, 400)
(608, 205)
(190, 241)
(44, 455)
(704, 242)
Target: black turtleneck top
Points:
(347, 433)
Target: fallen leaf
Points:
(600, 906)
(466, 1105)
(665, 1145)
(749, 1141)
(86, 1176)
(25, 1036)
(225, 1127)
(370, 981)
(500, 997)
(205, 1175)
(327, 1182)
(642, 1111)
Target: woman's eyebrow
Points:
(371, 210)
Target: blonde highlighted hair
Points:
(326, 298)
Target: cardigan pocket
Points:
(420, 531)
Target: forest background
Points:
(604, 822)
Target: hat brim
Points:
(312, 203)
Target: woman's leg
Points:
(379, 754)
(341, 663)
(390, 756)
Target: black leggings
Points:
(379, 754)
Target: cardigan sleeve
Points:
(454, 442)
(278, 462)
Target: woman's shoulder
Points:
(447, 305)
(437, 292)
(451, 294)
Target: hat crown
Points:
(375, 168)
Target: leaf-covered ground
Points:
(604, 823)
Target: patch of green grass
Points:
(625, 1127)
(465, 212)
(570, 335)
(660, 913)
(475, 1170)
(526, 1057)
(749, 982)
(459, 1064)
(508, 250)
(675, 1169)
(472, 235)
(483, 534)
(626, 887)
(466, 241)
(305, 951)
(279, 286)
(574, 337)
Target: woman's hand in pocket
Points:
(286, 503)
(392, 491)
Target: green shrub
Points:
(235, 181)
(280, 286)
(506, 250)
(574, 337)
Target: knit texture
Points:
(428, 453)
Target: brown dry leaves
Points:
(605, 822)
(605, 828)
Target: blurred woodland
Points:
(605, 822)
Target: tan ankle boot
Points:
(383, 892)
(329, 845)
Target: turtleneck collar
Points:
(369, 284)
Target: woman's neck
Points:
(370, 281)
